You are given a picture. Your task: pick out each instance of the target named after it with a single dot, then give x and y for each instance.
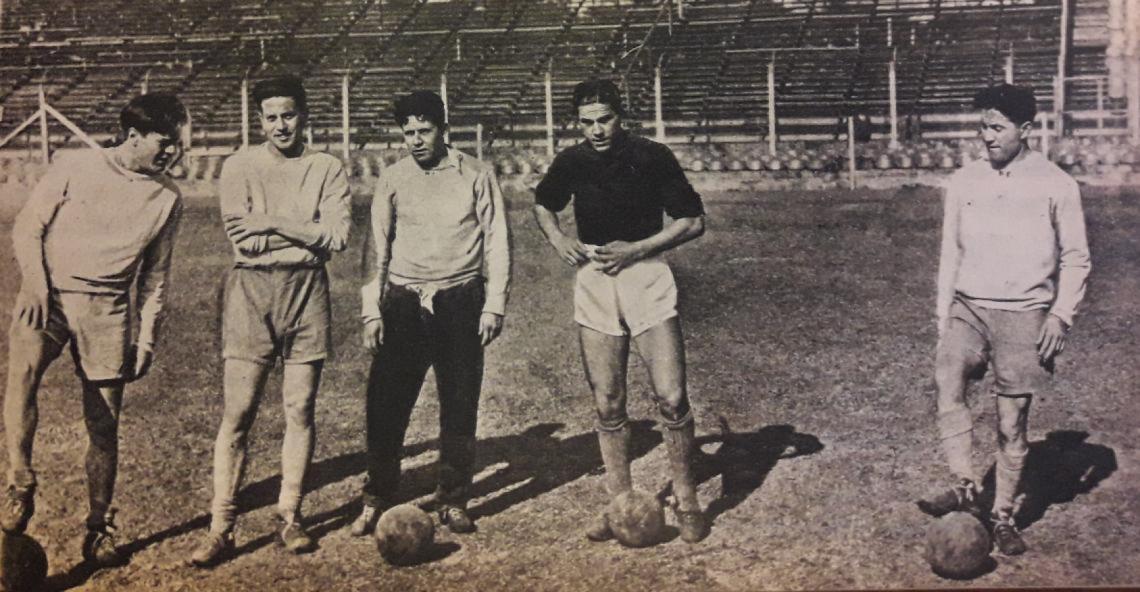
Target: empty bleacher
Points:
(831, 58)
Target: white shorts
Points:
(635, 300)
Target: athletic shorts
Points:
(276, 312)
(635, 300)
(96, 325)
(1007, 340)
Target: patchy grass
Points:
(809, 328)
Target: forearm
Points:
(548, 224)
(1074, 262)
(28, 231)
(151, 304)
(372, 294)
(676, 233)
(29, 253)
(948, 260)
(307, 234)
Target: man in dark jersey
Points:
(621, 184)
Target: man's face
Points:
(599, 124)
(424, 140)
(1002, 137)
(282, 123)
(153, 152)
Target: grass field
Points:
(809, 328)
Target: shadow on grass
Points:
(535, 457)
(744, 460)
(1059, 468)
(543, 462)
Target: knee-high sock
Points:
(614, 445)
(956, 431)
(679, 443)
(1009, 467)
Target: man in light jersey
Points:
(435, 298)
(1012, 273)
(286, 210)
(621, 184)
(96, 223)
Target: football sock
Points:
(956, 430)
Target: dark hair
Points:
(597, 91)
(423, 104)
(1015, 102)
(156, 112)
(281, 86)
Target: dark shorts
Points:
(1006, 340)
(271, 313)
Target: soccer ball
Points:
(23, 563)
(403, 534)
(636, 519)
(958, 546)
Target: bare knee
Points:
(299, 413)
(238, 419)
(610, 406)
(674, 408)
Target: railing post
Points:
(549, 114)
(479, 141)
(1062, 61)
(443, 95)
(344, 119)
(1009, 65)
(245, 112)
(45, 149)
(772, 105)
(851, 151)
(658, 110)
(893, 90)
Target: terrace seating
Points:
(830, 57)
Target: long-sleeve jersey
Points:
(312, 187)
(93, 227)
(437, 228)
(1014, 239)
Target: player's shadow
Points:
(743, 461)
(542, 462)
(1059, 468)
(535, 457)
(253, 496)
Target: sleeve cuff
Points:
(370, 301)
(496, 304)
(1066, 317)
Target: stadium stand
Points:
(830, 60)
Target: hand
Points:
(248, 248)
(374, 335)
(1051, 340)
(617, 256)
(490, 325)
(32, 307)
(242, 226)
(141, 359)
(571, 250)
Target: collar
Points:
(108, 155)
(278, 157)
(1020, 162)
(452, 160)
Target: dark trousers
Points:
(415, 339)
